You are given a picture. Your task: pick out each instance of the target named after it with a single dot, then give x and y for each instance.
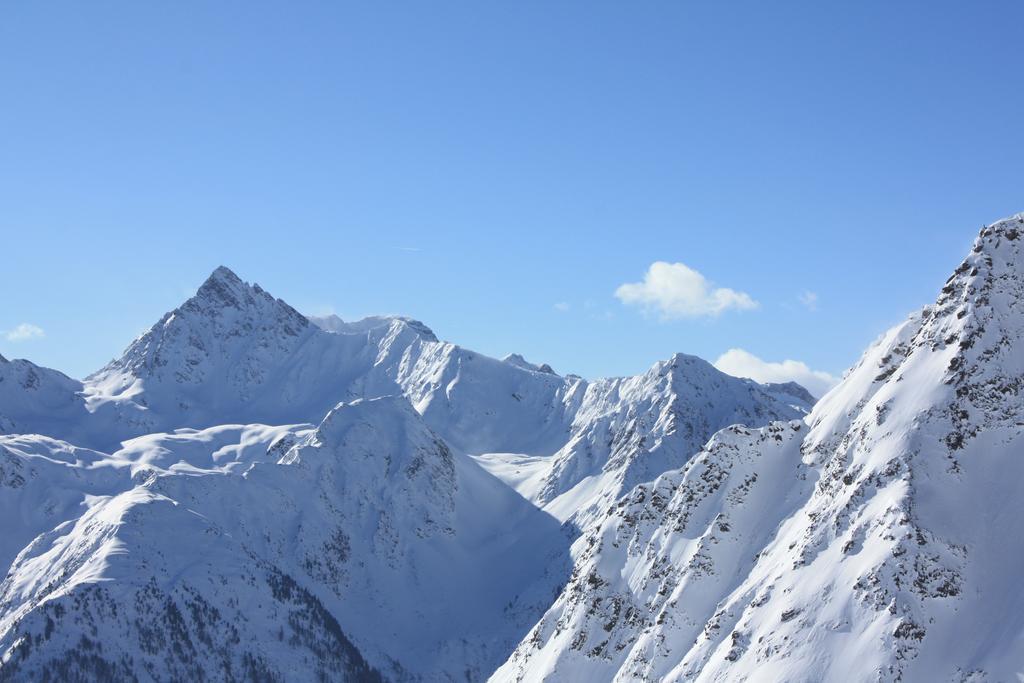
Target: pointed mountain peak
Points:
(683, 365)
(678, 359)
(228, 326)
(224, 274)
(696, 373)
(985, 287)
(224, 288)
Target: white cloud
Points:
(809, 300)
(675, 290)
(740, 363)
(562, 307)
(24, 332)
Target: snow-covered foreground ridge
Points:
(248, 493)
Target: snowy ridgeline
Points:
(248, 493)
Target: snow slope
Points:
(363, 543)
(876, 541)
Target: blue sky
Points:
(500, 170)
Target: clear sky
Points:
(500, 170)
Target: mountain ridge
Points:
(232, 353)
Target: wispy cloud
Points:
(562, 307)
(809, 300)
(740, 363)
(24, 332)
(411, 250)
(674, 290)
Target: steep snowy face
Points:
(876, 541)
(630, 430)
(387, 467)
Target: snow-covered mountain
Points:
(629, 430)
(364, 539)
(876, 541)
(243, 476)
(233, 354)
(248, 493)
